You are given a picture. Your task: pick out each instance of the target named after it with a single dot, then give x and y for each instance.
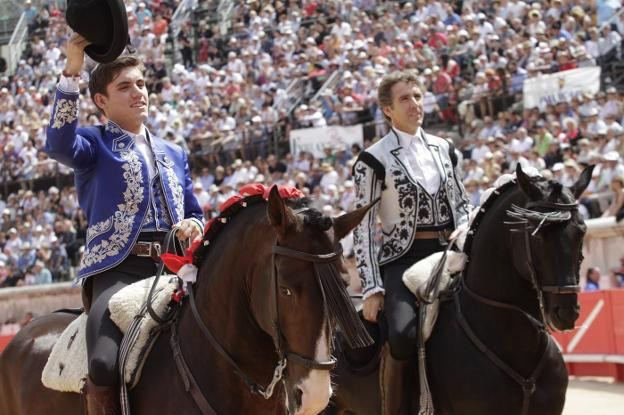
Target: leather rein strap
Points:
(527, 384)
(191, 385)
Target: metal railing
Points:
(17, 43)
(225, 11)
(294, 95)
(182, 14)
(330, 84)
(612, 18)
(10, 12)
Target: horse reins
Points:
(284, 356)
(562, 213)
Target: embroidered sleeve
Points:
(368, 188)
(63, 143)
(65, 112)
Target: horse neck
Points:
(491, 272)
(223, 301)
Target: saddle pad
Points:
(126, 305)
(67, 369)
(415, 279)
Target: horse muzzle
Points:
(562, 311)
(311, 395)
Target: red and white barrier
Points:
(596, 346)
(4, 340)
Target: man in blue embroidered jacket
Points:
(133, 187)
(422, 201)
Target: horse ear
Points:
(278, 212)
(344, 224)
(581, 184)
(527, 186)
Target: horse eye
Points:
(285, 291)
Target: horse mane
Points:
(310, 216)
(495, 195)
(333, 287)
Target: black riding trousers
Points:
(103, 336)
(400, 307)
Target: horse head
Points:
(550, 236)
(306, 298)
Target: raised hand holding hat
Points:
(103, 23)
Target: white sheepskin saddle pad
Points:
(416, 277)
(66, 369)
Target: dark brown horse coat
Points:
(240, 286)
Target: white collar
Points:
(141, 133)
(407, 139)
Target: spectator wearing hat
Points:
(148, 189)
(14, 243)
(613, 104)
(6, 222)
(407, 235)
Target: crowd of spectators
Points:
(232, 99)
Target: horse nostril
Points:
(298, 397)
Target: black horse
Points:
(490, 352)
(257, 338)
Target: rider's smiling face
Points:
(126, 100)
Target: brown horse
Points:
(263, 293)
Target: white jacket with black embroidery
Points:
(383, 171)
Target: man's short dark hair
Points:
(104, 74)
(384, 92)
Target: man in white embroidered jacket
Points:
(422, 202)
(133, 187)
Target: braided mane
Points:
(310, 216)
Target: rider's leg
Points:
(400, 311)
(103, 336)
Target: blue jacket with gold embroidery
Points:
(112, 182)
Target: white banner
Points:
(313, 140)
(549, 89)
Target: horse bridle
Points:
(284, 356)
(560, 212)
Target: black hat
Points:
(104, 23)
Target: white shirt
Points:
(420, 160)
(140, 140)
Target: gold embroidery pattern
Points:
(123, 219)
(66, 112)
(98, 229)
(177, 192)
